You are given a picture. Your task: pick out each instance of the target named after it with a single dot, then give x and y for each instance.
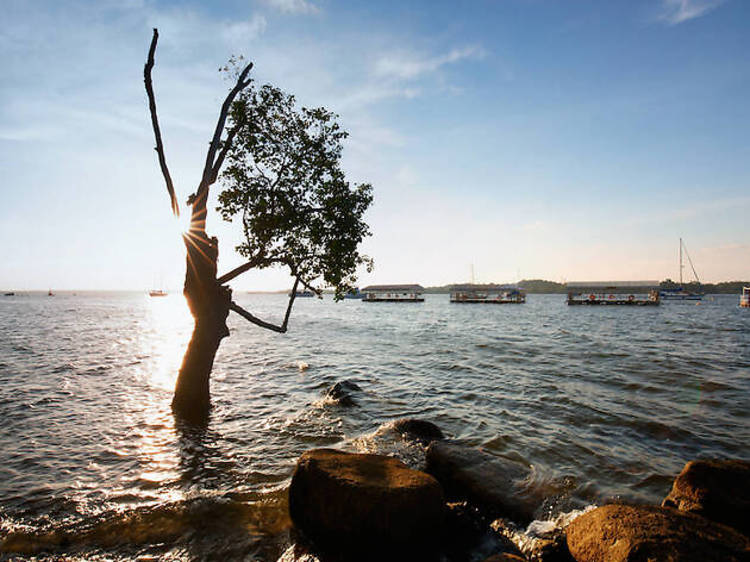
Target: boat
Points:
(302, 294)
(11, 294)
(157, 293)
(680, 293)
(745, 297)
(355, 294)
(617, 293)
(50, 293)
(393, 293)
(487, 294)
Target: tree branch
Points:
(238, 271)
(262, 323)
(212, 165)
(155, 122)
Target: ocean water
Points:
(601, 403)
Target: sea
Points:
(601, 403)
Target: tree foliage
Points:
(284, 181)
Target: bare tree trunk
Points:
(209, 304)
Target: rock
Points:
(365, 505)
(716, 489)
(547, 546)
(615, 533)
(468, 531)
(421, 431)
(341, 393)
(505, 557)
(495, 485)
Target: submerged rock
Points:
(468, 535)
(367, 506)
(422, 431)
(341, 393)
(624, 533)
(496, 485)
(716, 489)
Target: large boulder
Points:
(614, 533)
(367, 506)
(716, 489)
(498, 486)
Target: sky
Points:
(519, 138)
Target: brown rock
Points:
(615, 533)
(716, 489)
(367, 505)
(496, 485)
(505, 557)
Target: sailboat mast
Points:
(681, 266)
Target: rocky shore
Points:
(470, 505)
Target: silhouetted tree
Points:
(285, 181)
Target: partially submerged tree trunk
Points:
(209, 304)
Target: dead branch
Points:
(262, 323)
(155, 122)
(213, 164)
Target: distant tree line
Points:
(551, 287)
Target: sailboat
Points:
(679, 293)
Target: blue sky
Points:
(530, 138)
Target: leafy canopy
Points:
(284, 179)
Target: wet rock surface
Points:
(615, 533)
(342, 393)
(549, 546)
(366, 506)
(468, 536)
(421, 431)
(496, 485)
(716, 489)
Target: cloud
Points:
(237, 33)
(410, 66)
(674, 12)
(294, 6)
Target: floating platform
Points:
(393, 293)
(614, 293)
(487, 294)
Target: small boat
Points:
(745, 297)
(157, 293)
(50, 293)
(355, 294)
(302, 294)
(11, 294)
(679, 293)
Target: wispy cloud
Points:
(408, 66)
(674, 12)
(294, 6)
(245, 30)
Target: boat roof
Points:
(490, 287)
(631, 285)
(392, 288)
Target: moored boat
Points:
(680, 293)
(628, 293)
(157, 293)
(487, 294)
(745, 297)
(393, 293)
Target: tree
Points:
(284, 180)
